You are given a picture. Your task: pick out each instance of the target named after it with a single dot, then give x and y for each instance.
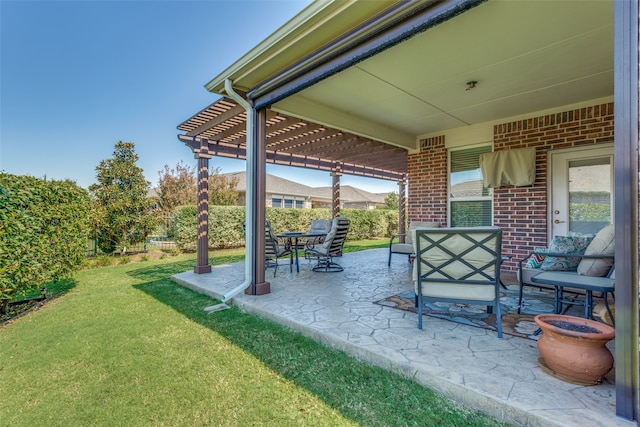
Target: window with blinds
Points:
(470, 204)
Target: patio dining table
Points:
(293, 237)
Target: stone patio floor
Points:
(500, 377)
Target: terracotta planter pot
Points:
(573, 348)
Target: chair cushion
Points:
(527, 274)
(417, 224)
(402, 248)
(338, 225)
(329, 239)
(320, 226)
(447, 291)
(565, 245)
(603, 244)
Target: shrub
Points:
(104, 261)
(186, 226)
(225, 224)
(44, 226)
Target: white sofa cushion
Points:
(602, 244)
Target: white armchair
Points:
(458, 265)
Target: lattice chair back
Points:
(458, 265)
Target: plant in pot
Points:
(574, 349)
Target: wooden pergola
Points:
(295, 142)
(221, 130)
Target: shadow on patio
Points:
(468, 364)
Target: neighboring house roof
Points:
(274, 185)
(353, 194)
(467, 189)
(277, 185)
(153, 192)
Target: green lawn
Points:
(125, 346)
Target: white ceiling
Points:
(526, 56)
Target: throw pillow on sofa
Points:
(536, 259)
(575, 245)
(603, 244)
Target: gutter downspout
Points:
(250, 240)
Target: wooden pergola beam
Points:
(234, 111)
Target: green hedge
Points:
(44, 226)
(225, 224)
(589, 212)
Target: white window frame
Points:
(450, 199)
(281, 198)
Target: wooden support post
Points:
(203, 156)
(259, 286)
(335, 197)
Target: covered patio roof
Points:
(397, 71)
(358, 84)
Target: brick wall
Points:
(427, 186)
(521, 212)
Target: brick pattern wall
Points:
(521, 212)
(427, 186)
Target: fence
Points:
(161, 239)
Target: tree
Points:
(125, 211)
(222, 189)
(176, 187)
(392, 201)
(44, 227)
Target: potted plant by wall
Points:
(574, 349)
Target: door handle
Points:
(557, 221)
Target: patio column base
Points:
(261, 289)
(202, 269)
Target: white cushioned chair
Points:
(321, 227)
(330, 247)
(396, 246)
(459, 265)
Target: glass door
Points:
(581, 190)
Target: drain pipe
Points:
(249, 238)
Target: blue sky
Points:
(78, 76)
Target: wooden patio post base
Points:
(201, 269)
(261, 289)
